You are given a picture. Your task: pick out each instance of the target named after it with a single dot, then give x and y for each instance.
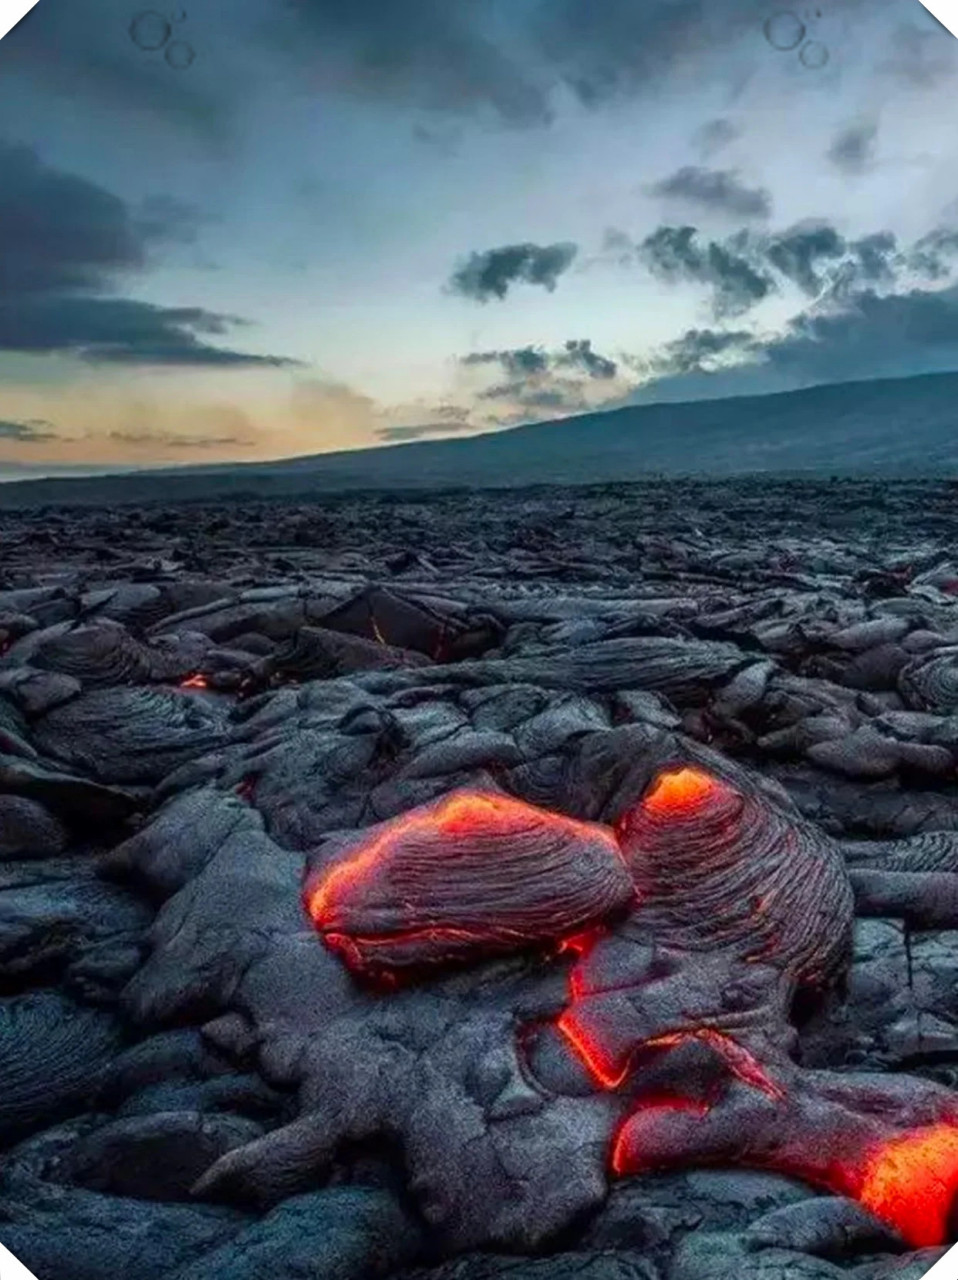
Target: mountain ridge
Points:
(883, 427)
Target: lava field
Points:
(545, 884)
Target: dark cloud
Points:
(747, 267)
(559, 396)
(519, 362)
(509, 58)
(65, 246)
(535, 381)
(82, 50)
(854, 147)
(715, 135)
(719, 190)
(869, 335)
(169, 440)
(676, 253)
(529, 363)
(879, 311)
(621, 48)
(934, 255)
(798, 254)
(921, 55)
(491, 274)
(578, 354)
(696, 347)
(872, 336)
(426, 53)
(33, 431)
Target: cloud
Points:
(871, 336)
(121, 331)
(865, 336)
(515, 62)
(798, 254)
(747, 267)
(398, 434)
(519, 362)
(33, 431)
(65, 245)
(530, 363)
(921, 58)
(853, 149)
(714, 136)
(425, 53)
(534, 382)
(673, 254)
(879, 309)
(492, 273)
(696, 348)
(578, 354)
(83, 51)
(719, 190)
(169, 440)
(933, 256)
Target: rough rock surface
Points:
(688, 1009)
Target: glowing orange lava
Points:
(912, 1182)
(462, 814)
(197, 681)
(681, 791)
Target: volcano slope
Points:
(542, 884)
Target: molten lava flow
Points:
(475, 874)
(196, 681)
(911, 1182)
(460, 815)
(680, 792)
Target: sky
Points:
(252, 229)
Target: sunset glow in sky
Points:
(350, 222)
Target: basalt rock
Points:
(51, 1054)
(133, 736)
(627, 818)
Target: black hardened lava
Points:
(473, 884)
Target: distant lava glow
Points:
(197, 681)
